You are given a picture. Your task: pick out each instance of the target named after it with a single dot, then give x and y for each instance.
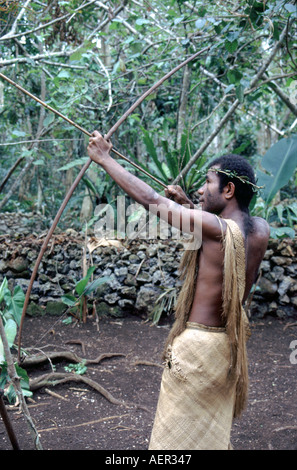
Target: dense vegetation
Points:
(91, 60)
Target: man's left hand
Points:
(99, 148)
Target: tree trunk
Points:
(182, 111)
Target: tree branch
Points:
(38, 57)
(11, 34)
(232, 108)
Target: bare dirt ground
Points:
(74, 416)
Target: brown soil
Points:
(80, 418)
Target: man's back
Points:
(207, 303)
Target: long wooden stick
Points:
(78, 178)
(50, 108)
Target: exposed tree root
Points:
(289, 325)
(57, 378)
(65, 355)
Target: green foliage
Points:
(79, 368)
(165, 303)
(167, 163)
(136, 47)
(11, 308)
(83, 289)
(9, 390)
(276, 169)
(280, 163)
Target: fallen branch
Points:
(56, 428)
(147, 363)
(55, 395)
(284, 428)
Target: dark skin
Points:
(207, 304)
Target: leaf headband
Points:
(242, 178)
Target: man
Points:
(204, 384)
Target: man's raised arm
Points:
(177, 215)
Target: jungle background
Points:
(91, 61)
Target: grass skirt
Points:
(196, 401)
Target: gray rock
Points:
(265, 266)
(281, 260)
(112, 298)
(278, 272)
(121, 271)
(267, 287)
(146, 299)
(284, 285)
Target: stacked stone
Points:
(138, 271)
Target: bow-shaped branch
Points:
(79, 177)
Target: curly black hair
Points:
(239, 166)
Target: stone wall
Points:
(139, 272)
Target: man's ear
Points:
(229, 190)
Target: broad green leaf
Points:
(15, 302)
(69, 300)
(76, 162)
(280, 162)
(282, 232)
(234, 76)
(240, 93)
(280, 210)
(87, 46)
(291, 8)
(90, 185)
(200, 23)
(178, 20)
(3, 289)
(231, 46)
(150, 146)
(95, 284)
(64, 74)
(141, 21)
(81, 285)
(17, 133)
(229, 88)
(10, 329)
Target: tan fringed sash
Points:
(233, 312)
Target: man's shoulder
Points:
(261, 228)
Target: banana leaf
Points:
(280, 162)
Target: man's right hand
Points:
(176, 193)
